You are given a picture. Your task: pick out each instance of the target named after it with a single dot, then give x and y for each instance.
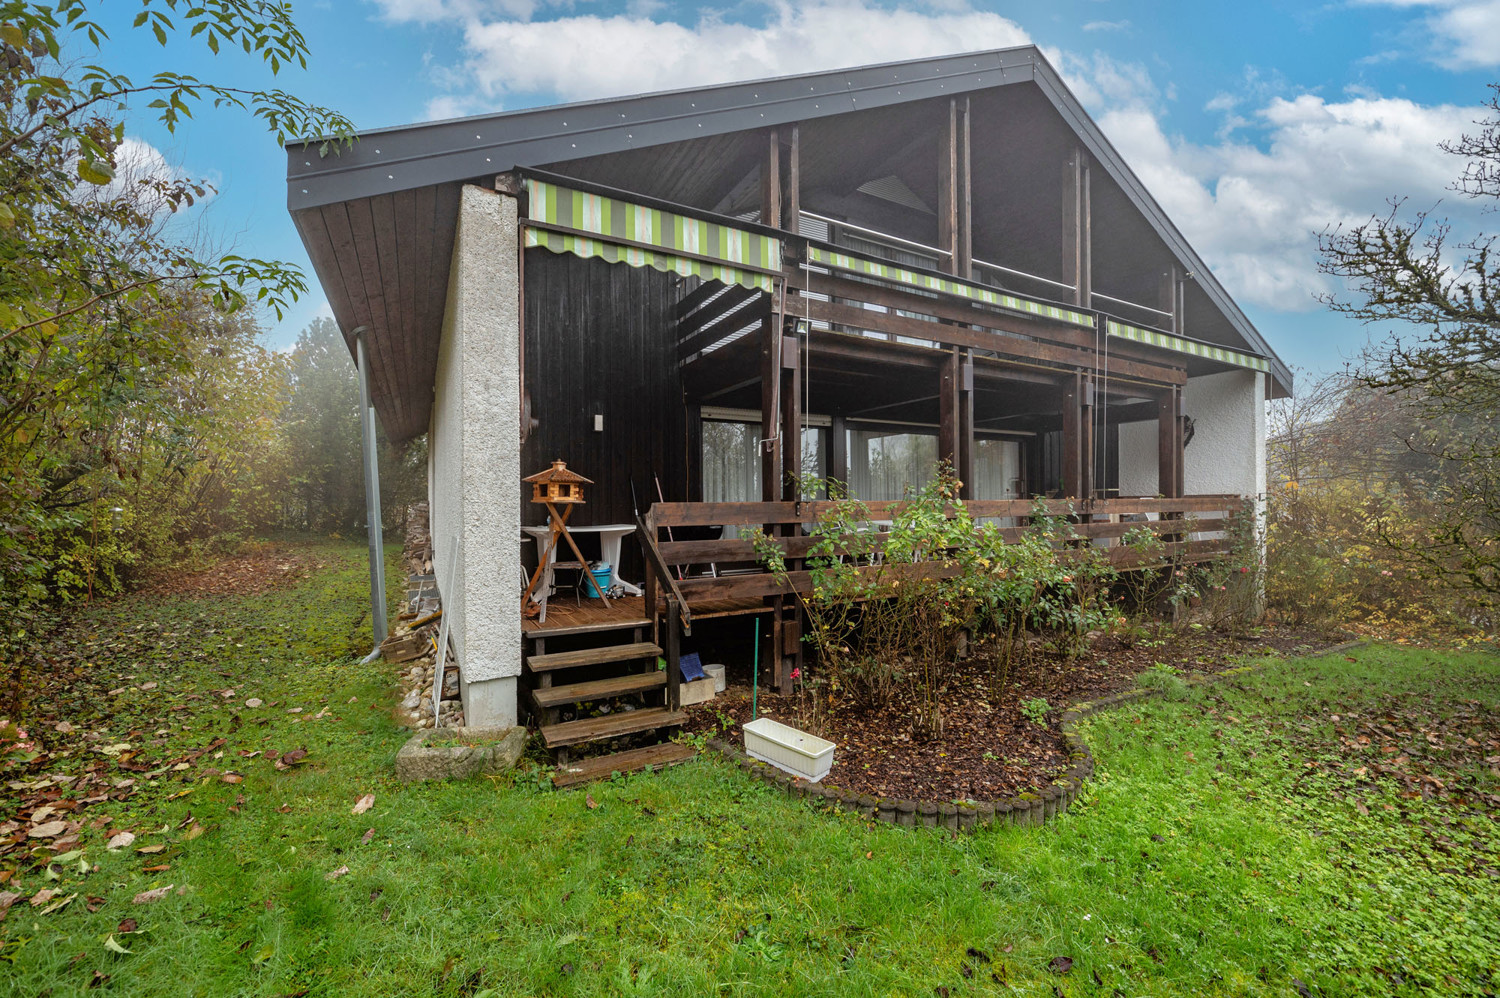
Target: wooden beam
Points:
(1086, 436)
(947, 185)
(1072, 444)
(770, 384)
(1168, 297)
(791, 416)
(838, 449)
(1168, 442)
(1077, 237)
(948, 418)
(792, 203)
(965, 464)
(965, 254)
(770, 182)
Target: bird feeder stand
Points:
(557, 486)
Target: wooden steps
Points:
(608, 726)
(599, 689)
(604, 766)
(591, 656)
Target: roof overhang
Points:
(361, 194)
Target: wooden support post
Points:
(770, 384)
(770, 182)
(791, 416)
(791, 211)
(838, 449)
(948, 418)
(1076, 228)
(674, 654)
(965, 465)
(1168, 443)
(1169, 297)
(1086, 436)
(947, 185)
(1181, 483)
(965, 259)
(1072, 433)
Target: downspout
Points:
(372, 495)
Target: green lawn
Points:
(1239, 841)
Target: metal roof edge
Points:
(384, 161)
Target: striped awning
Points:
(1167, 341)
(933, 282)
(569, 221)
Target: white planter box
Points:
(784, 747)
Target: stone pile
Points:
(416, 695)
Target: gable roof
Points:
(362, 193)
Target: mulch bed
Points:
(989, 749)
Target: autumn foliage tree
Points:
(133, 391)
(1441, 368)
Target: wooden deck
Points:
(592, 617)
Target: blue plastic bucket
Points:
(598, 581)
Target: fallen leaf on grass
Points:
(290, 759)
(253, 702)
(151, 850)
(58, 905)
(7, 898)
(336, 874)
(231, 778)
(192, 833)
(147, 897)
(1061, 964)
(369, 834)
(99, 979)
(42, 896)
(115, 947)
(127, 926)
(48, 830)
(159, 868)
(589, 800)
(363, 804)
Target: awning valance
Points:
(1167, 341)
(923, 281)
(564, 220)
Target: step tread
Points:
(639, 682)
(594, 729)
(603, 766)
(592, 656)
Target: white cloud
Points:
(1254, 210)
(586, 56)
(1107, 26)
(1283, 167)
(1462, 34)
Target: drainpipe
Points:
(372, 494)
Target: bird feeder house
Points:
(557, 485)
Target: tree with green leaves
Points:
(1410, 271)
(108, 324)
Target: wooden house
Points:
(693, 296)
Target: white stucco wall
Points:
(1228, 451)
(474, 483)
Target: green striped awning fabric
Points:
(931, 282)
(1167, 341)
(728, 251)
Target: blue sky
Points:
(1255, 125)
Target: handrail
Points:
(879, 237)
(1027, 276)
(658, 564)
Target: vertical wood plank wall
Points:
(599, 339)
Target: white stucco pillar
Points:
(1228, 451)
(475, 452)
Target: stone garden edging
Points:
(1022, 809)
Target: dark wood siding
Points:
(600, 339)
